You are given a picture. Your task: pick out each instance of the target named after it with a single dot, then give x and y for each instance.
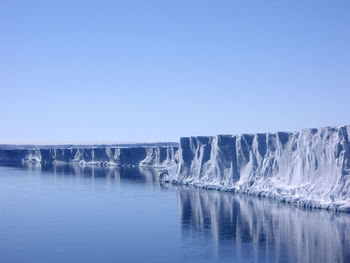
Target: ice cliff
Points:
(154, 156)
(310, 168)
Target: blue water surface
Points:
(95, 214)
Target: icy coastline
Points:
(309, 168)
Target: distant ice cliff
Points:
(155, 156)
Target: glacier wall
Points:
(310, 168)
(154, 156)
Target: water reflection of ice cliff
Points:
(278, 232)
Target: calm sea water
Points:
(74, 214)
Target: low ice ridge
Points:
(153, 156)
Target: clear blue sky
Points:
(110, 71)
